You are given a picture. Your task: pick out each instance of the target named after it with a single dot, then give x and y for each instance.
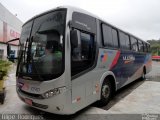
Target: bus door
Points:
(82, 59)
(83, 32)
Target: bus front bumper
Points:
(56, 104)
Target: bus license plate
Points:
(28, 101)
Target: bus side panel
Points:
(124, 68)
(130, 67)
(85, 89)
(148, 62)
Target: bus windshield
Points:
(42, 47)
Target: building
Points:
(10, 28)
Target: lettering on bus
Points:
(35, 89)
(128, 59)
(83, 24)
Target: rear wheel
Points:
(144, 74)
(106, 93)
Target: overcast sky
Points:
(139, 17)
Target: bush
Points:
(4, 67)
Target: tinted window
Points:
(134, 46)
(84, 22)
(107, 36)
(145, 47)
(148, 48)
(124, 41)
(43, 53)
(140, 46)
(86, 45)
(83, 55)
(110, 37)
(115, 38)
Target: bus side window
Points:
(140, 46)
(148, 48)
(110, 36)
(124, 41)
(134, 46)
(145, 47)
(115, 38)
(86, 46)
(107, 36)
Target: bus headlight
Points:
(53, 92)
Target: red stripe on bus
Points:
(115, 60)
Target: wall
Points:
(10, 28)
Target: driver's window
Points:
(82, 56)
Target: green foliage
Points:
(155, 47)
(4, 67)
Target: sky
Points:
(138, 17)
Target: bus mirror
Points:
(74, 38)
(11, 53)
(8, 50)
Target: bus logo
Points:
(104, 57)
(128, 59)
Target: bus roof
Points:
(71, 8)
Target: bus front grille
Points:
(31, 95)
(35, 104)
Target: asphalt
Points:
(137, 99)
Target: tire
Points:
(144, 74)
(106, 93)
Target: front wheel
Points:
(106, 93)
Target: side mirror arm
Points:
(9, 48)
(13, 40)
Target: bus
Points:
(69, 59)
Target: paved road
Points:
(138, 98)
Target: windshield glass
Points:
(42, 46)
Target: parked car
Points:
(156, 58)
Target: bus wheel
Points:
(106, 92)
(144, 74)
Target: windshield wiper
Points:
(24, 52)
(30, 58)
(20, 60)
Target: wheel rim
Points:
(105, 91)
